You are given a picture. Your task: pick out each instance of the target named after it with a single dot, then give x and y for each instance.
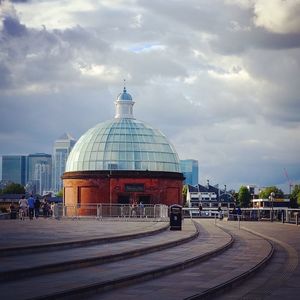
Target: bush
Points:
(3, 209)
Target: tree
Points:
(244, 197)
(266, 192)
(184, 194)
(295, 196)
(14, 188)
(60, 193)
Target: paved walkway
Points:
(17, 233)
(121, 271)
(279, 279)
(17, 266)
(197, 282)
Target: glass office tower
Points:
(189, 168)
(39, 169)
(14, 168)
(62, 147)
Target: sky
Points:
(219, 78)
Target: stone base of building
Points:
(122, 187)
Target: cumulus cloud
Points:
(13, 27)
(219, 78)
(277, 15)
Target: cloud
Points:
(277, 15)
(13, 27)
(216, 77)
(5, 77)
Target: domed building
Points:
(123, 160)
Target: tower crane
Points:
(289, 180)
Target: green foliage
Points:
(295, 196)
(14, 188)
(243, 197)
(60, 194)
(265, 193)
(184, 192)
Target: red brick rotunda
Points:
(122, 161)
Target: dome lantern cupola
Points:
(124, 105)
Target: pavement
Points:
(116, 247)
(144, 260)
(209, 278)
(280, 279)
(44, 231)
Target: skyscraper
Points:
(189, 168)
(62, 147)
(14, 168)
(39, 169)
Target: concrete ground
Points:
(278, 279)
(17, 233)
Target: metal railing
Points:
(204, 213)
(278, 214)
(157, 212)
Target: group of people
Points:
(31, 207)
(137, 209)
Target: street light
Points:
(271, 197)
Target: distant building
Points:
(189, 168)
(267, 203)
(62, 147)
(14, 168)
(208, 196)
(39, 168)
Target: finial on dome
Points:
(124, 96)
(124, 90)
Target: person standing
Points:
(23, 205)
(52, 208)
(200, 209)
(13, 211)
(37, 205)
(46, 208)
(31, 202)
(141, 209)
(220, 213)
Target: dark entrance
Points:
(146, 199)
(124, 199)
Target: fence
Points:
(158, 212)
(284, 215)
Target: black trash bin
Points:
(175, 217)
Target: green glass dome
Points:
(123, 143)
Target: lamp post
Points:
(271, 197)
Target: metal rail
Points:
(145, 212)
